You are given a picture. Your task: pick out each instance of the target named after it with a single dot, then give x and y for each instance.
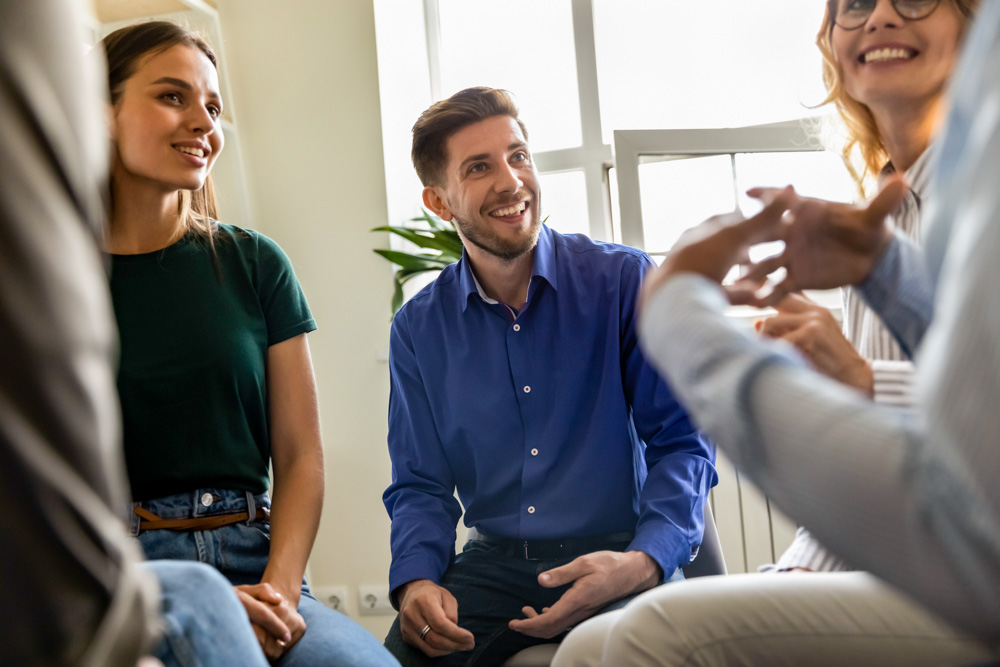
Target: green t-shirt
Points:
(192, 379)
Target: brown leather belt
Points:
(209, 522)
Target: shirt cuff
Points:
(806, 552)
(893, 383)
(409, 569)
(665, 545)
(900, 292)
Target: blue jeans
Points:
(204, 623)
(491, 586)
(240, 551)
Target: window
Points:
(708, 63)
(524, 46)
(671, 180)
(585, 70)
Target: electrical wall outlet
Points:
(334, 597)
(373, 600)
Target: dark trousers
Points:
(491, 585)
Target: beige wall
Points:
(305, 84)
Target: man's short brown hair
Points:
(445, 118)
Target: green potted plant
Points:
(440, 243)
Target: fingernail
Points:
(544, 577)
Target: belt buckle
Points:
(543, 552)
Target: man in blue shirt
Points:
(517, 379)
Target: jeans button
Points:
(206, 499)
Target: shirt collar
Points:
(544, 267)
(917, 175)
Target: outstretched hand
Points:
(827, 244)
(721, 242)
(597, 579)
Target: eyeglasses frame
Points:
(833, 7)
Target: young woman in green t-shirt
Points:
(216, 380)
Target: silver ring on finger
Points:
(423, 633)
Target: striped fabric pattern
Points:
(892, 370)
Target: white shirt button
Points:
(527, 389)
(531, 510)
(517, 327)
(534, 452)
(206, 499)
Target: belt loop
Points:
(251, 509)
(133, 519)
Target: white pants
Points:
(816, 619)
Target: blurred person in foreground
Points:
(73, 590)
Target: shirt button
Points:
(517, 327)
(206, 499)
(531, 510)
(534, 452)
(527, 389)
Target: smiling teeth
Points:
(191, 151)
(880, 55)
(512, 210)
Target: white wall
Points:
(304, 78)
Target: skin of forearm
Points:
(294, 522)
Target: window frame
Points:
(593, 156)
(632, 145)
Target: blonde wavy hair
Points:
(864, 152)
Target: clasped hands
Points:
(596, 579)
(274, 617)
(827, 245)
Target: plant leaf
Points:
(397, 297)
(434, 221)
(404, 275)
(412, 261)
(446, 241)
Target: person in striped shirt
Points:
(890, 116)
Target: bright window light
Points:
(524, 46)
(709, 63)
(679, 194)
(564, 201)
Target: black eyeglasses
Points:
(852, 14)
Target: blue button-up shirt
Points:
(551, 425)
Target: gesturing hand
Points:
(813, 330)
(598, 578)
(828, 244)
(276, 624)
(713, 247)
(425, 604)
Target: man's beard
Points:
(506, 249)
